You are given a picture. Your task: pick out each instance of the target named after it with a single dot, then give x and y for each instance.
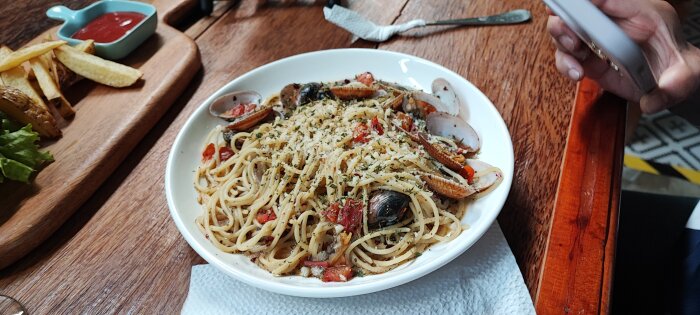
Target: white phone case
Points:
(606, 40)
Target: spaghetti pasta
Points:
(295, 194)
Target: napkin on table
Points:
(363, 28)
(483, 280)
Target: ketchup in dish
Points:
(109, 27)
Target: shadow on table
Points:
(13, 196)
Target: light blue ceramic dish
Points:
(75, 20)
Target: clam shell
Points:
(446, 93)
(446, 187)
(448, 126)
(223, 103)
(289, 96)
(387, 207)
(433, 100)
(395, 102)
(391, 86)
(353, 90)
(295, 94)
(251, 119)
(437, 153)
(486, 177)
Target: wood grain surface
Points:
(121, 253)
(513, 66)
(24, 20)
(108, 123)
(577, 273)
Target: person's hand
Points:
(654, 25)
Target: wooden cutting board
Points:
(108, 123)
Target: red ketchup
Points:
(109, 27)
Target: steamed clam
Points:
(439, 111)
(444, 91)
(242, 109)
(424, 104)
(486, 178)
(295, 94)
(441, 155)
(446, 187)
(353, 90)
(455, 128)
(231, 105)
(387, 207)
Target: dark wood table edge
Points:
(577, 270)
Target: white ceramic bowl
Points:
(328, 65)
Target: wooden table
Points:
(121, 252)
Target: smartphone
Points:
(606, 40)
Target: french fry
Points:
(48, 86)
(62, 75)
(18, 57)
(45, 59)
(59, 72)
(86, 46)
(97, 69)
(17, 78)
(20, 107)
(28, 69)
(45, 80)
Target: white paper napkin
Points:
(484, 280)
(363, 28)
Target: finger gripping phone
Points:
(606, 40)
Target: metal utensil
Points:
(511, 17)
(361, 27)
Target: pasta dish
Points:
(338, 180)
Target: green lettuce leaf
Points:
(21, 147)
(19, 153)
(15, 170)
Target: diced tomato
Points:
(406, 121)
(250, 107)
(350, 215)
(337, 274)
(208, 152)
(468, 173)
(235, 111)
(425, 108)
(361, 132)
(332, 212)
(240, 109)
(365, 78)
(225, 153)
(322, 264)
(265, 215)
(377, 126)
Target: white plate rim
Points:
(333, 291)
